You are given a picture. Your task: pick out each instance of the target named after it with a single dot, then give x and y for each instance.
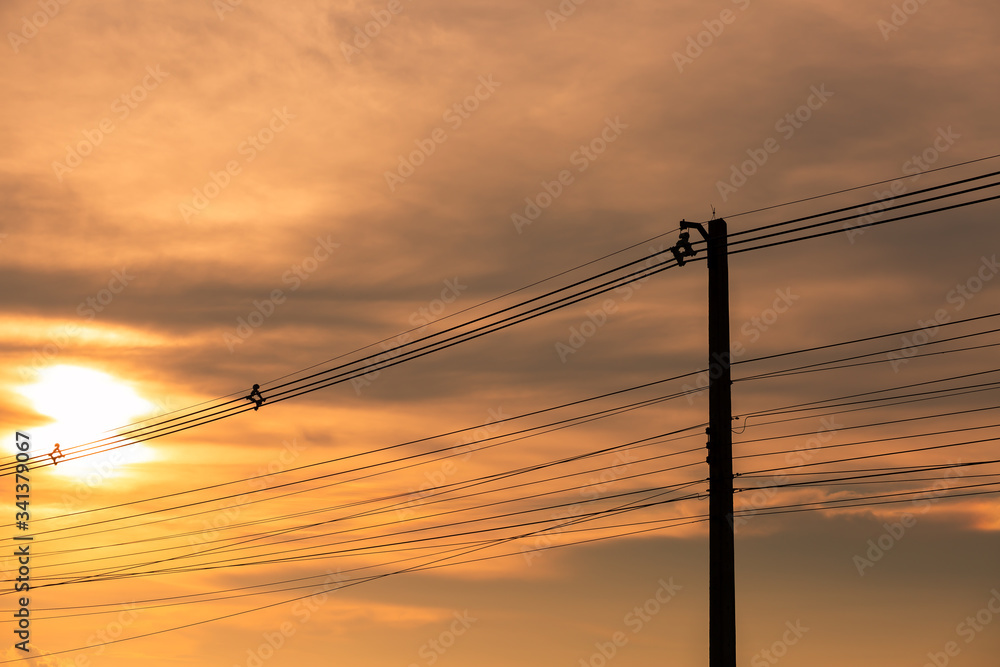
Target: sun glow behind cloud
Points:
(84, 404)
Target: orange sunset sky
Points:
(201, 196)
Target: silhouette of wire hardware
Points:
(683, 248)
(256, 397)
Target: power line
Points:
(396, 336)
(871, 456)
(437, 561)
(148, 433)
(864, 340)
(423, 502)
(867, 224)
(504, 438)
(390, 447)
(826, 365)
(281, 557)
(856, 206)
(425, 567)
(859, 187)
(872, 475)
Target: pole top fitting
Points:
(695, 225)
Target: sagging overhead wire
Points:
(860, 187)
(218, 412)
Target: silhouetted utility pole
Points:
(722, 556)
